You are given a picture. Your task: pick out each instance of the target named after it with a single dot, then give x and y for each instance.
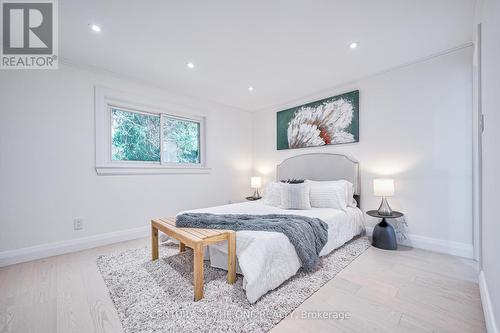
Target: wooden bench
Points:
(196, 239)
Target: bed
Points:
(267, 259)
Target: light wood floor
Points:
(384, 291)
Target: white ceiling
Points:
(285, 49)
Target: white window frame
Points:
(107, 99)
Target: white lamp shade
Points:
(255, 182)
(383, 187)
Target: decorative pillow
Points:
(272, 194)
(292, 181)
(331, 194)
(295, 196)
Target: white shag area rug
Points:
(158, 296)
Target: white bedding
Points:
(267, 259)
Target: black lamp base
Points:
(384, 236)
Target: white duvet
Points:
(267, 259)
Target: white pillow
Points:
(272, 194)
(295, 196)
(331, 194)
(351, 202)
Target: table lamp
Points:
(384, 188)
(256, 183)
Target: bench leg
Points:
(154, 243)
(231, 257)
(182, 247)
(198, 271)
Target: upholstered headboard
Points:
(321, 167)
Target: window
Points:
(134, 136)
(181, 140)
(142, 139)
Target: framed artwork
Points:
(330, 121)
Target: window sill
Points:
(150, 170)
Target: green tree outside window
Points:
(136, 137)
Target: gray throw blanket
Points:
(308, 235)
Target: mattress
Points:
(267, 259)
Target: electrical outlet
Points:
(78, 223)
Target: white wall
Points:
(489, 17)
(47, 161)
(415, 126)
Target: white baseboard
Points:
(437, 245)
(489, 315)
(52, 249)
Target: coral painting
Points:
(330, 121)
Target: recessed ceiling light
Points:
(95, 28)
(190, 65)
(354, 45)
(250, 88)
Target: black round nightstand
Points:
(383, 235)
(253, 198)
